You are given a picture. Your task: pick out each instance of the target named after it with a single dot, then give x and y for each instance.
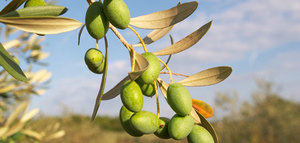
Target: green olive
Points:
(162, 131)
(153, 70)
(145, 122)
(132, 96)
(30, 3)
(117, 13)
(147, 89)
(179, 99)
(95, 20)
(94, 60)
(200, 135)
(125, 116)
(180, 126)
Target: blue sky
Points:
(259, 39)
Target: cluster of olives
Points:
(97, 19)
(137, 122)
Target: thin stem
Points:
(157, 101)
(133, 60)
(97, 44)
(118, 34)
(170, 73)
(175, 74)
(138, 35)
(89, 2)
(102, 86)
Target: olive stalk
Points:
(138, 35)
(157, 101)
(170, 72)
(102, 86)
(175, 74)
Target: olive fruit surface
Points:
(132, 96)
(162, 131)
(153, 70)
(147, 89)
(180, 126)
(94, 60)
(200, 135)
(179, 99)
(117, 13)
(145, 122)
(95, 20)
(125, 116)
(30, 3)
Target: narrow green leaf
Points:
(166, 18)
(185, 43)
(9, 64)
(42, 24)
(48, 10)
(13, 5)
(79, 34)
(103, 82)
(207, 77)
(209, 127)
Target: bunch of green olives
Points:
(97, 19)
(137, 122)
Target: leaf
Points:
(163, 87)
(103, 82)
(22, 107)
(155, 35)
(57, 135)
(42, 24)
(141, 64)
(79, 34)
(207, 77)
(186, 42)
(7, 88)
(48, 10)
(9, 64)
(195, 116)
(203, 108)
(209, 127)
(26, 117)
(115, 91)
(32, 134)
(166, 18)
(13, 5)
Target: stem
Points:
(97, 44)
(133, 60)
(89, 2)
(157, 101)
(118, 34)
(102, 86)
(175, 74)
(170, 73)
(138, 35)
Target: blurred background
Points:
(257, 103)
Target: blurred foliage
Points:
(267, 118)
(28, 51)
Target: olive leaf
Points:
(103, 82)
(186, 42)
(13, 5)
(207, 77)
(115, 91)
(166, 18)
(79, 34)
(21, 108)
(9, 64)
(209, 127)
(195, 116)
(154, 36)
(42, 24)
(48, 10)
(203, 108)
(141, 64)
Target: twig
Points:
(175, 74)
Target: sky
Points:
(258, 39)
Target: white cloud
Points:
(249, 26)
